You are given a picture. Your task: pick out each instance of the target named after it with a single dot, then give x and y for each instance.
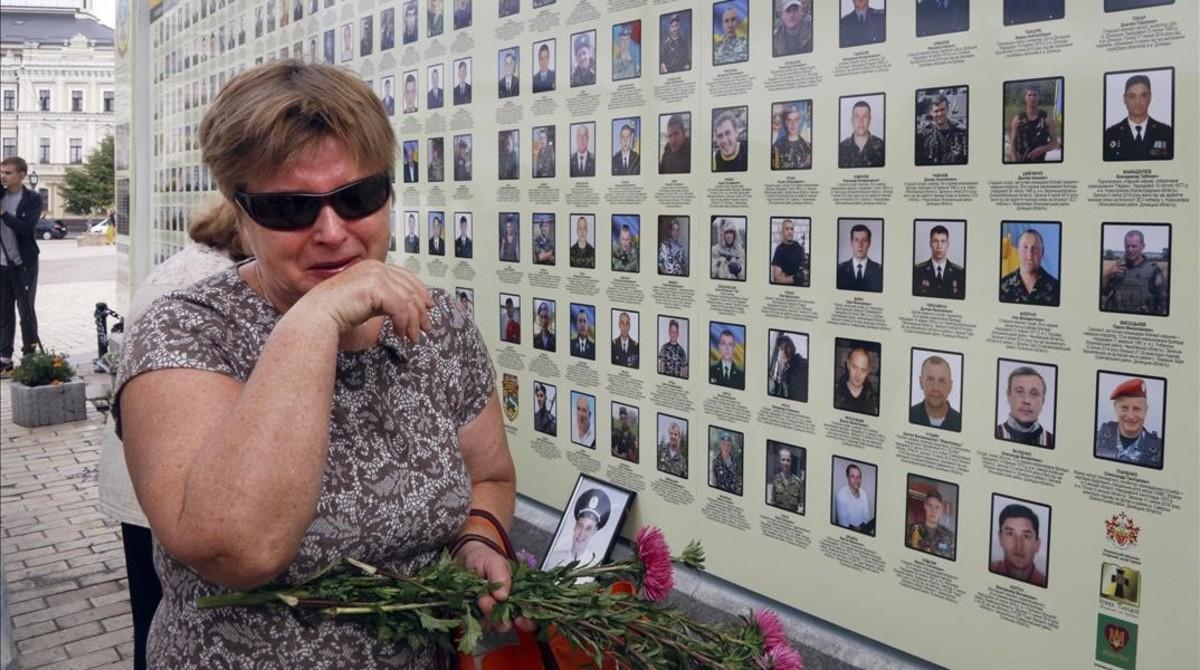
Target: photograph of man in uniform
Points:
(387, 94)
(862, 124)
(933, 391)
(727, 255)
(543, 337)
(672, 354)
(436, 170)
(675, 142)
(583, 333)
(627, 50)
(583, 249)
(1135, 268)
(792, 32)
(1032, 132)
(627, 138)
(410, 92)
(862, 22)
(510, 318)
(583, 156)
(672, 457)
(462, 14)
(409, 30)
(675, 42)
(931, 517)
(1026, 400)
(412, 241)
(435, 18)
(938, 276)
(787, 472)
(1130, 426)
(787, 365)
(730, 151)
(626, 242)
(437, 234)
(510, 237)
(508, 155)
(543, 67)
(543, 152)
(328, 46)
(462, 158)
(583, 70)
(627, 328)
(347, 42)
(545, 411)
(731, 32)
(412, 168)
(791, 146)
(673, 243)
(543, 239)
(509, 82)
(1026, 248)
(367, 34)
(435, 96)
(856, 372)
(1017, 549)
(854, 486)
(583, 425)
(790, 259)
(1132, 133)
(509, 7)
(725, 453)
(584, 545)
(462, 81)
(862, 269)
(625, 432)
(938, 17)
(727, 355)
(941, 135)
(1032, 11)
(464, 246)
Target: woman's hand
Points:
(369, 289)
(485, 562)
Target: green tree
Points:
(89, 189)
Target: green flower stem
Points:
(380, 609)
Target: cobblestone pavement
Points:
(63, 560)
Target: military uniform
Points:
(1157, 144)
(1141, 290)
(676, 55)
(785, 43)
(789, 155)
(726, 477)
(942, 146)
(731, 50)
(952, 284)
(672, 259)
(672, 465)
(543, 245)
(624, 261)
(1045, 289)
(939, 541)
(1146, 450)
(850, 156)
(583, 258)
(672, 359)
(788, 492)
(625, 445)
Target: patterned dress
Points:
(395, 490)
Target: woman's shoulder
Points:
(219, 297)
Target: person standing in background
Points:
(22, 208)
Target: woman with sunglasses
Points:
(312, 402)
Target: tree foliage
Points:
(89, 189)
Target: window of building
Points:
(10, 148)
(76, 150)
(76, 101)
(44, 99)
(44, 150)
(10, 100)
(45, 193)
(109, 102)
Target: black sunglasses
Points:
(295, 211)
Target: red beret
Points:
(1131, 388)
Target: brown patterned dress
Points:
(395, 490)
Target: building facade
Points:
(57, 91)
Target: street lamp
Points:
(33, 179)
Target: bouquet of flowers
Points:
(629, 630)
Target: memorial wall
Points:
(892, 304)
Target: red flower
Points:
(655, 556)
(771, 629)
(784, 657)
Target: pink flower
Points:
(527, 558)
(784, 657)
(771, 629)
(658, 576)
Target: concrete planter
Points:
(34, 406)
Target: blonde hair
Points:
(215, 223)
(272, 114)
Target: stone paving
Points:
(63, 560)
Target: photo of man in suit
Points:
(387, 95)
(583, 342)
(544, 337)
(462, 83)
(725, 371)
(863, 24)
(583, 159)
(626, 161)
(510, 82)
(543, 75)
(437, 235)
(412, 242)
(436, 96)
(412, 171)
(860, 272)
(624, 345)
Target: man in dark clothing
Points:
(22, 208)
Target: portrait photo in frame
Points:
(590, 523)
